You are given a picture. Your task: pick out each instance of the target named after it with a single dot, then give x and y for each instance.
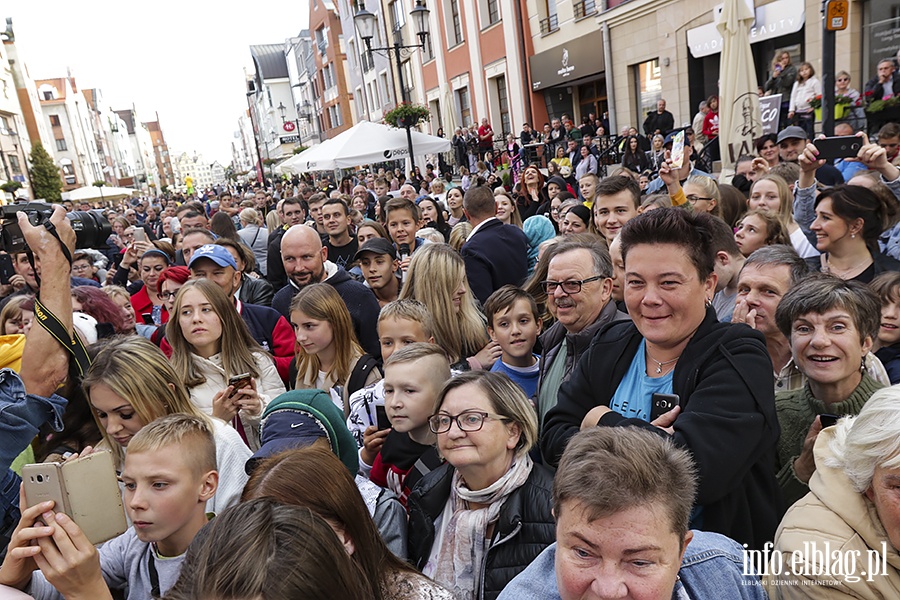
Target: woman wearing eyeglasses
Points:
(479, 520)
(677, 371)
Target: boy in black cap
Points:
(378, 261)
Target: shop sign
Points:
(773, 20)
(575, 59)
(769, 110)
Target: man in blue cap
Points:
(266, 325)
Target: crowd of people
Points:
(451, 386)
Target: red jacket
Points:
(140, 302)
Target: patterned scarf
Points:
(462, 552)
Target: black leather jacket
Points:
(524, 529)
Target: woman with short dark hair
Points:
(831, 324)
(674, 369)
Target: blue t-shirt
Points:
(525, 377)
(632, 397)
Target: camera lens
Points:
(40, 478)
(91, 228)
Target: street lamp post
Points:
(366, 23)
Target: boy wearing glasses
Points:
(413, 377)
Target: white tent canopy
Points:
(363, 144)
(91, 193)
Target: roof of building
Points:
(128, 117)
(269, 61)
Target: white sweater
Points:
(268, 386)
(802, 93)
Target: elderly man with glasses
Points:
(579, 293)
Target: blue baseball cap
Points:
(218, 254)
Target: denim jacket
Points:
(712, 569)
(21, 415)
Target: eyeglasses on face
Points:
(167, 295)
(468, 421)
(695, 198)
(572, 286)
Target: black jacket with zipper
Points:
(525, 526)
(724, 379)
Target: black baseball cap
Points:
(378, 246)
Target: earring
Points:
(708, 302)
(852, 236)
(862, 364)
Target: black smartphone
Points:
(842, 146)
(383, 421)
(661, 404)
(6, 268)
(828, 420)
(147, 318)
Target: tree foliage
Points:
(45, 180)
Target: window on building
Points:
(428, 50)
(48, 95)
(648, 86)
(550, 22)
(493, 12)
(61, 144)
(4, 122)
(503, 103)
(328, 75)
(351, 56)
(54, 120)
(385, 89)
(455, 36)
(358, 98)
(321, 40)
(465, 110)
(14, 164)
(398, 15)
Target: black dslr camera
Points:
(91, 227)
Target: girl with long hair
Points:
(772, 194)
(433, 216)
(634, 158)
(805, 88)
(507, 211)
(455, 206)
(329, 356)
(130, 384)
(210, 346)
(437, 279)
(530, 192)
(313, 477)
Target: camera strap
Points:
(51, 229)
(72, 344)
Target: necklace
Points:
(847, 271)
(660, 365)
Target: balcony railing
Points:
(584, 8)
(549, 24)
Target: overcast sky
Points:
(183, 59)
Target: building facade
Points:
(14, 141)
(334, 99)
(161, 155)
(146, 176)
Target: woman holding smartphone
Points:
(228, 374)
(130, 384)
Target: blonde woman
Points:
(700, 191)
(255, 235)
(210, 346)
(437, 279)
(329, 356)
(130, 384)
(772, 194)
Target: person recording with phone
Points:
(720, 372)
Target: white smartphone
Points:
(86, 489)
(678, 149)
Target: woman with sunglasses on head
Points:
(481, 518)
